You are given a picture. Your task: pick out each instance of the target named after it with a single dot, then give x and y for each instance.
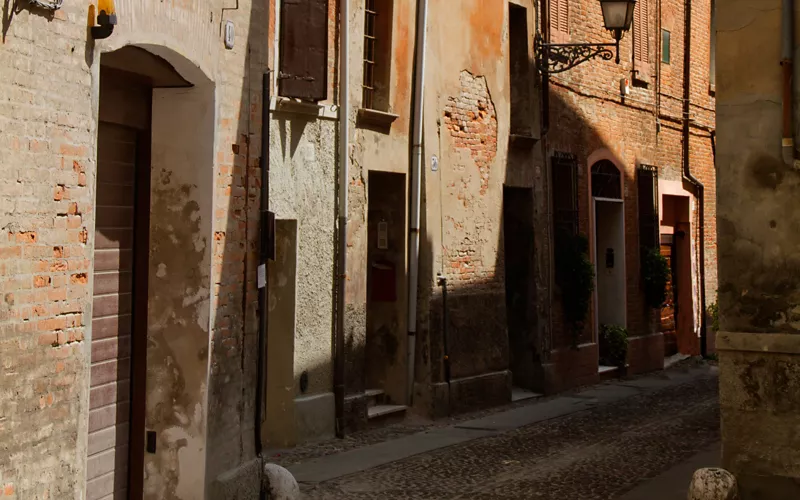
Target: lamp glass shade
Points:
(617, 14)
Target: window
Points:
(565, 195)
(304, 50)
(559, 20)
(606, 180)
(712, 69)
(647, 187)
(641, 40)
(521, 114)
(377, 54)
(665, 56)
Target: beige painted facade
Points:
(758, 262)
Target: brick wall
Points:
(46, 163)
(590, 118)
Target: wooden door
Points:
(118, 236)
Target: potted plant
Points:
(655, 276)
(575, 278)
(614, 346)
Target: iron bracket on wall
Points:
(558, 57)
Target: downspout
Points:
(344, 176)
(687, 173)
(545, 17)
(416, 173)
(264, 237)
(787, 65)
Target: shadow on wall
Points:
(488, 328)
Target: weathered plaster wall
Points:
(466, 126)
(758, 262)
(383, 149)
(303, 188)
(180, 265)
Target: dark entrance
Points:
(520, 300)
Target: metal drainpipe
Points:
(687, 173)
(787, 65)
(344, 175)
(264, 236)
(416, 186)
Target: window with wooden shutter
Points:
(647, 186)
(304, 49)
(564, 181)
(641, 40)
(559, 20)
(712, 66)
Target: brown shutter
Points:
(563, 16)
(559, 20)
(641, 40)
(564, 180)
(647, 185)
(304, 49)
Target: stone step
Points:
(380, 412)
(375, 397)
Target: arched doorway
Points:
(609, 245)
(149, 346)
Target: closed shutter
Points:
(641, 40)
(559, 19)
(112, 319)
(304, 49)
(647, 185)
(565, 195)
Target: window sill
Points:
(296, 107)
(522, 140)
(712, 89)
(374, 119)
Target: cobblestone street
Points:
(599, 453)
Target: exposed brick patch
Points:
(472, 121)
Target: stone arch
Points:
(179, 129)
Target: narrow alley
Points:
(575, 446)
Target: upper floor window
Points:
(559, 20)
(304, 50)
(377, 54)
(665, 46)
(712, 69)
(641, 40)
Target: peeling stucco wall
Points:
(303, 188)
(466, 123)
(384, 150)
(179, 292)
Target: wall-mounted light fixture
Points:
(106, 19)
(558, 57)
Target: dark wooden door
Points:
(117, 235)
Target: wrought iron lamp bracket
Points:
(558, 57)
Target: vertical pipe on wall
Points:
(787, 66)
(263, 291)
(344, 175)
(416, 173)
(687, 173)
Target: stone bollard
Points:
(280, 483)
(713, 484)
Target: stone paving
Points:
(600, 453)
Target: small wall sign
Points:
(229, 35)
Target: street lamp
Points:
(558, 57)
